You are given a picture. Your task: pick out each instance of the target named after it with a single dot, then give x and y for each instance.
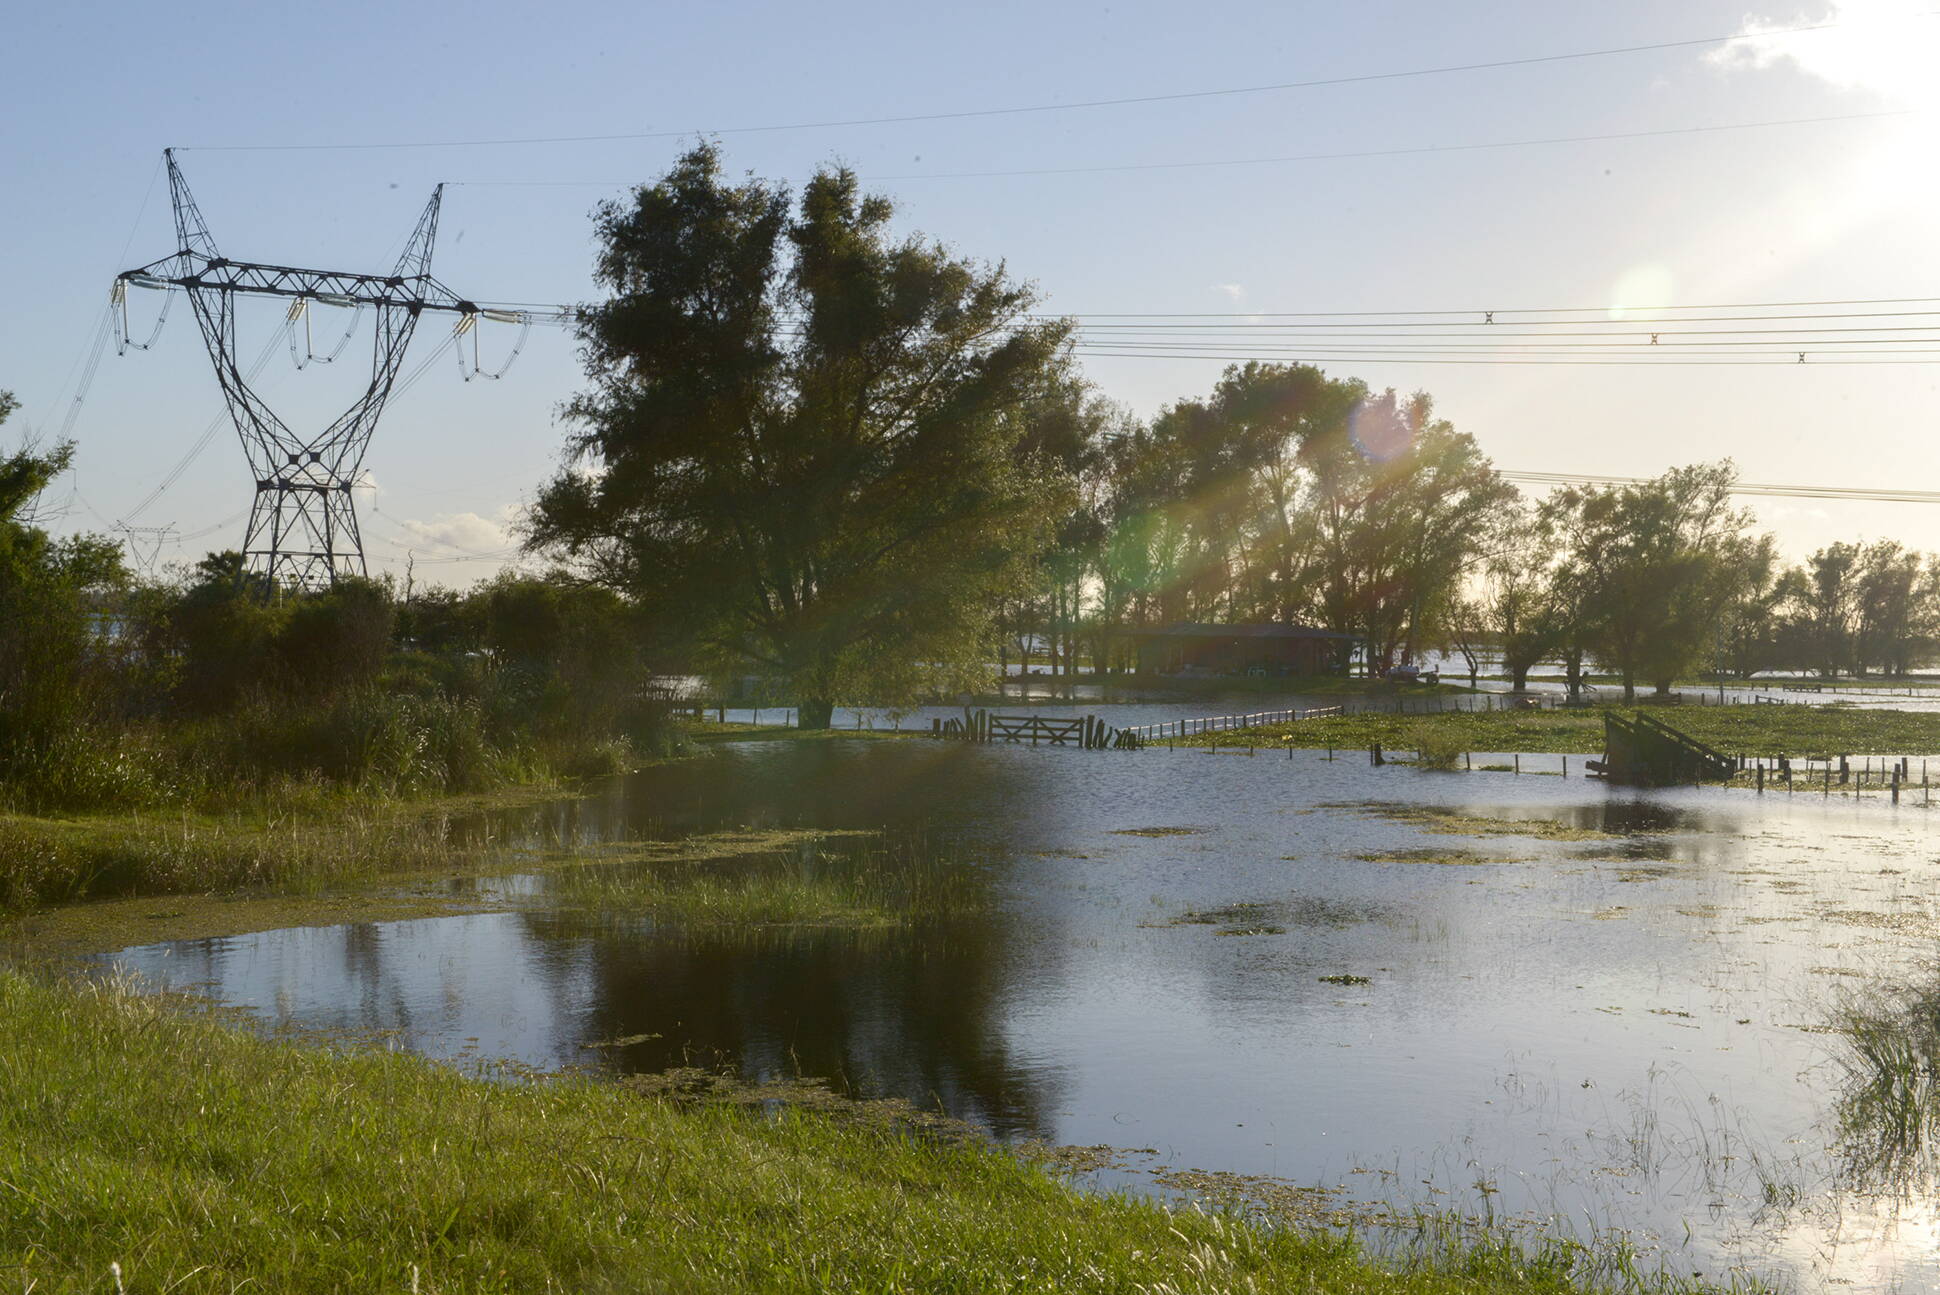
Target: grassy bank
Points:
(1748, 730)
(49, 860)
(198, 1158)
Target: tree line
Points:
(854, 466)
(124, 692)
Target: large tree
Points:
(811, 450)
(1404, 504)
(1652, 570)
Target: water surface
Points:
(1619, 1028)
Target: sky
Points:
(1090, 203)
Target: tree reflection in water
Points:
(909, 1013)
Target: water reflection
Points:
(1319, 981)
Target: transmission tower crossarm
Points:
(334, 287)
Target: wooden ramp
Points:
(1644, 751)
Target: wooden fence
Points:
(1085, 731)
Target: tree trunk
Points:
(814, 714)
(1519, 678)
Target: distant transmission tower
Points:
(303, 525)
(144, 544)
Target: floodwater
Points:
(1619, 1026)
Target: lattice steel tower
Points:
(303, 523)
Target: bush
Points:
(1436, 746)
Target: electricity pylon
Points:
(303, 523)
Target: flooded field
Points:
(1698, 1021)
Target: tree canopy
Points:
(811, 450)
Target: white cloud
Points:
(464, 532)
(1235, 292)
(1887, 48)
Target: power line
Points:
(1738, 488)
(1509, 310)
(1364, 357)
(1281, 159)
(1081, 104)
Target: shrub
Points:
(1436, 746)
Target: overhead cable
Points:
(1176, 96)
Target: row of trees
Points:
(861, 468)
(855, 465)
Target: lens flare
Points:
(1379, 430)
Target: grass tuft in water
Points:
(844, 880)
(1889, 1110)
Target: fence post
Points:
(1518, 762)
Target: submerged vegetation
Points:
(147, 1145)
(804, 879)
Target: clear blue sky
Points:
(1830, 210)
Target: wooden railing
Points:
(1086, 731)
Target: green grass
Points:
(1747, 730)
(302, 841)
(140, 1136)
(844, 879)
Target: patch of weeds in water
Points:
(1345, 979)
(1283, 1200)
(1161, 831)
(624, 1041)
(1078, 1160)
(1909, 922)
(1273, 918)
(1447, 858)
(1450, 822)
(838, 880)
(694, 1086)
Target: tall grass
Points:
(51, 861)
(197, 1158)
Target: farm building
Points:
(1243, 649)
